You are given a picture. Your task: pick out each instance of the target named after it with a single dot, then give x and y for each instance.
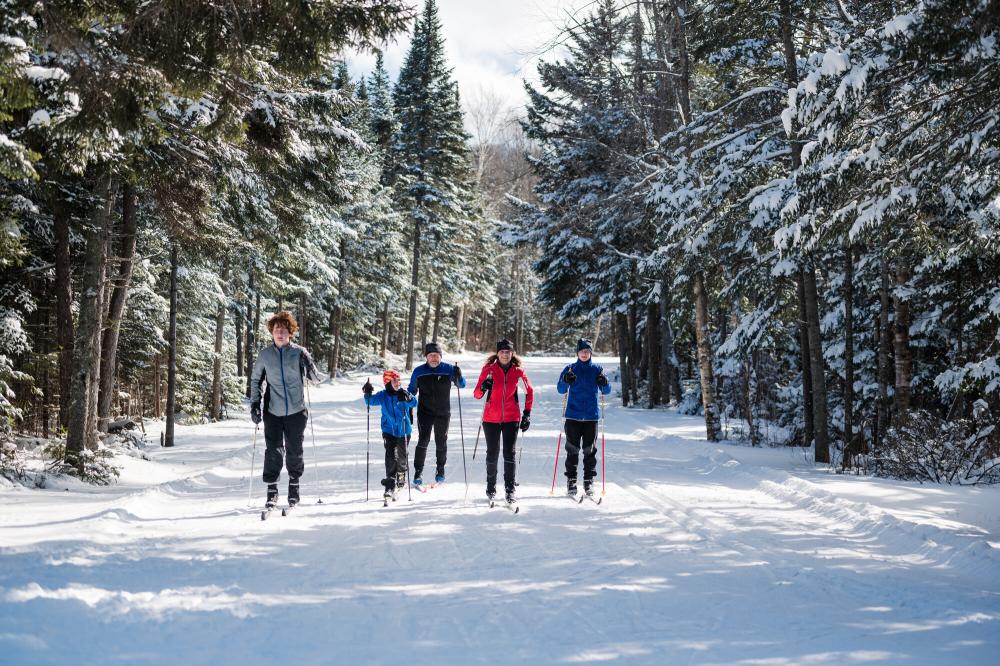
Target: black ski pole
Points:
(312, 430)
(368, 442)
(476, 447)
(406, 450)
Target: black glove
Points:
(487, 384)
(569, 377)
(456, 375)
(602, 380)
(255, 413)
(404, 395)
(368, 389)
(306, 366)
(525, 419)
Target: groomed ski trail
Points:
(699, 554)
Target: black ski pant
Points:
(493, 432)
(396, 461)
(581, 435)
(283, 436)
(426, 422)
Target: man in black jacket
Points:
(431, 383)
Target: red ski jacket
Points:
(502, 405)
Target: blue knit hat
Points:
(583, 343)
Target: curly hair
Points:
(283, 318)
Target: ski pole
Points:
(406, 450)
(602, 445)
(555, 468)
(312, 430)
(368, 443)
(476, 448)
(253, 455)
(461, 432)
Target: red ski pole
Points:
(555, 468)
(602, 445)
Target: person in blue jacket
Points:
(396, 403)
(431, 383)
(582, 380)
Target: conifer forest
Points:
(783, 217)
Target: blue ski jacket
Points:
(395, 412)
(581, 405)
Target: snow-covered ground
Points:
(700, 554)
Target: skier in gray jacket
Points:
(285, 367)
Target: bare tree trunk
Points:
(881, 337)
(817, 369)
(704, 342)
(385, 327)
(597, 330)
(411, 320)
(670, 376)
(303, 322)
(240, 330)
(87, 345)
(157, 387)
(901, 340)
(809, 431)
(621, 328)
(634, 355)
(252, 322)
(168, 434)
(437, 314)
(653, 343)
(338, 332)
(220, 323)
(816, 366)
(116, 310)
(64, 311)
(425, 323)
(848, 347)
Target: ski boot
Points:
(272, 496)
(588, 487)
(438, 478)
(509, 497)
(417, 481)
(571, 487)
(491, 496)
(293, 492)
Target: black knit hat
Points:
(505, 344)
(584, 343)
(432, 348)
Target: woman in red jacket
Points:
(502, 416)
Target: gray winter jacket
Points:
(284, 369)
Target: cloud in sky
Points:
(491, 44)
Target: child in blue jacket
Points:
(582, 379)
(396, 403)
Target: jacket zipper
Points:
(284, 387)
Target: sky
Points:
(491, 44)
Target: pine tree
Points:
(430, 155)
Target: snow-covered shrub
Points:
(97, 467)
(926, 447)
(11, 464)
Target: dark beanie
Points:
(584, 343)
(432, 348)
(505, 344)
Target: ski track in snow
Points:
(700, 554)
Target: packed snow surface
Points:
(701, 553)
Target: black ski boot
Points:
(293, 492)
(588, 487)
(491, 495)
(509, 497)
(272, 496)
(571, 487)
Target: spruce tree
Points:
(430, 154)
